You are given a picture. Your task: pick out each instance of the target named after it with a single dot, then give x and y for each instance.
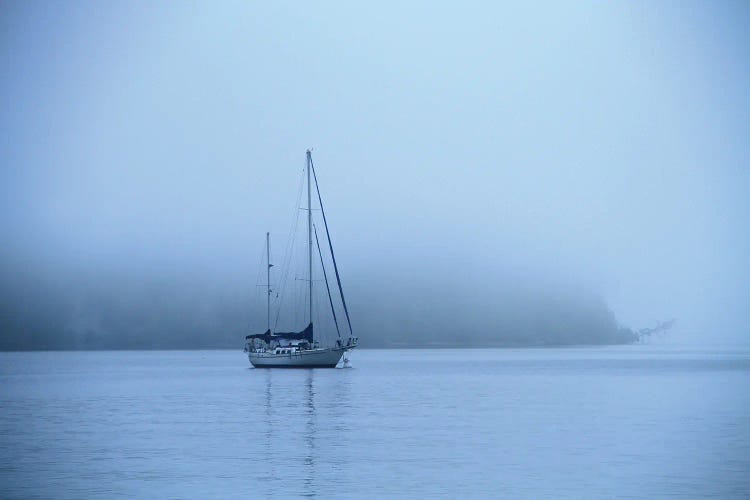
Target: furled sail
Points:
(306, 334)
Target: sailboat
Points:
(303, 349)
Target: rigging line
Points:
(325, 276)
(256, 296)
(330, 246)
(260, 269)
(286, 264)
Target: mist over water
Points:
(494, 174)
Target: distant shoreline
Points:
(385, 348)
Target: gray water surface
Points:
(630, 421)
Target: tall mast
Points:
(268, 281)
(309, 232)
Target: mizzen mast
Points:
(268, 281)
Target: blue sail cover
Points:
(306, 334)
(266, 337)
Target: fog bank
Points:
(509, 173)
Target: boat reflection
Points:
(306, 430)
(310, 432)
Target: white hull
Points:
(314, 358)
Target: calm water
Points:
(591, 422)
